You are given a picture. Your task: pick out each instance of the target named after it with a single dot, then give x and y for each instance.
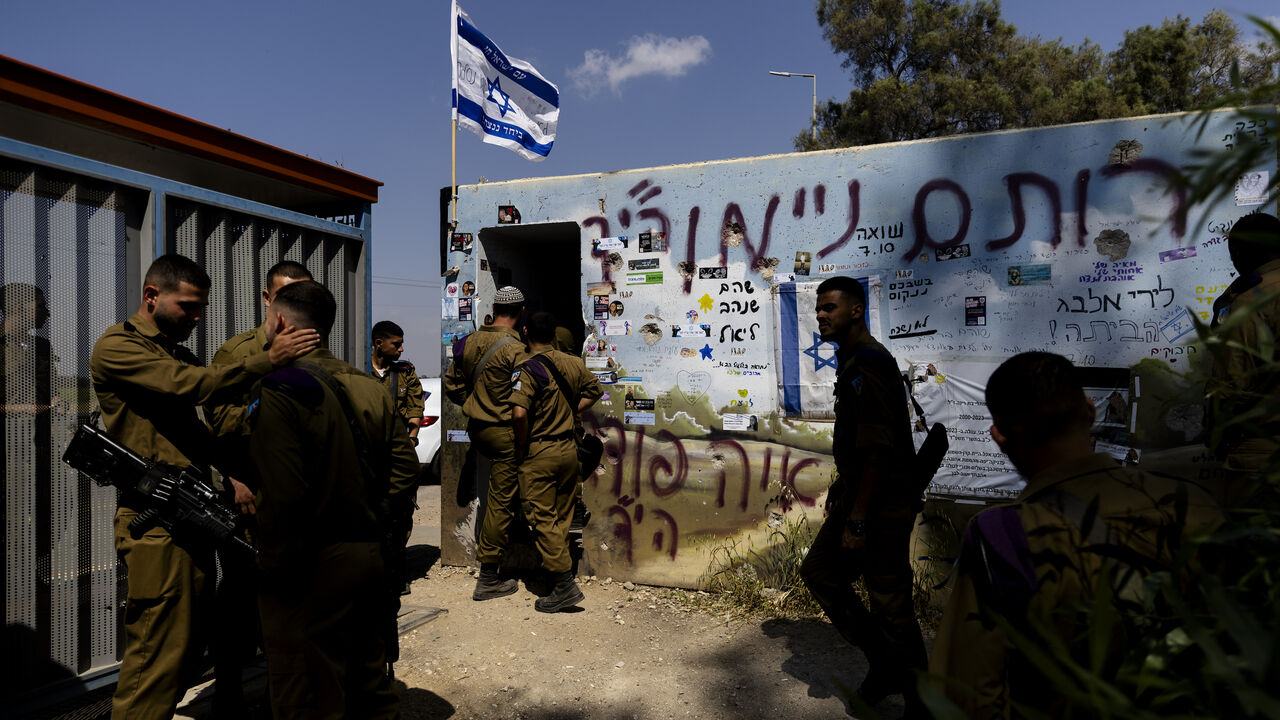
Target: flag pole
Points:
(453, 115)
(453, 175)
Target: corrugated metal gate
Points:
(77, 245)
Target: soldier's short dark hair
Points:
(847, 285)
(288, 269)
(1254, 241)
(384, 329)
(169, 271)
(308, 305)
(541, 327)
(1035, 396)
(505, 310)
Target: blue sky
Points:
(366, 85)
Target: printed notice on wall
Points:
(458, 436)
(741, 423)
(1251, 188)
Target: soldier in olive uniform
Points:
(479, 379)
(543, 416)
(237, 609)
(1244, 385)
(871, 509)
(1030, 562)
(148, 387)
(327, 464)
(398, 376)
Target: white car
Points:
(429, 435)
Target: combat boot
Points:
(489, 586)
(564, 596)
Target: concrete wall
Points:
(973, 248)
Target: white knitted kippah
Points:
(509, 295)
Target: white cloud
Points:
(645, 55)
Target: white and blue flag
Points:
(503, 100)
(808, 365)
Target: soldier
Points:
(1245, 386)
(398, 376)
(148, 387)
(479, 379)
(237, 608)
(1031, 562)
(871, 510)
(330, 451)
(550, 390)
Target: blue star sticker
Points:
(820, 362)
(706, 352)
(504, 106)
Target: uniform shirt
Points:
(410, 400)
(229, 417)
(871, 410)
(314, 492)
(487, 401)
(148, 387)
(1043, 531)
(535, 389)
(1244, 379)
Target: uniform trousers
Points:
(887, 631)
(323, 629)
(548, 488)
(167, 599)
(498, 443)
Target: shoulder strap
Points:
(395, 382)
(564, 384)
(357, 432)
(488, 355)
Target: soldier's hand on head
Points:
(292, 343)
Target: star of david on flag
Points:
(502, 99)
(807, 365)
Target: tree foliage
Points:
(929, 68)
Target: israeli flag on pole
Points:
(503, 100)
(808, 365)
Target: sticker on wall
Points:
(781, 278)
(644, 404)
(713, 273)
(460, 242)
(448, 308)
(600, 307)
(615, 327)
(951, 253)
(451, 290)
(653, 242)
(1177, 254)
(705, 351)
(607, 378)
(1030, 275)
(1251, 188)
(975, 311)
(692, 330)
(1177, 325)
(484, 264)
(803, 261)
(464, 308)
(600, 363)
(706, 303)
(645, 278)
(638, 418)
(633, 379)
(508, 215)
(741, 423)
(643, 264)
(468, 289)
(616, 308)
(610, 243)
(457, 436)
(600, 288)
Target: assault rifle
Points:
(177, 499)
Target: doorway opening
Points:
(544, 260)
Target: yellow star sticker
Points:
(706, 303)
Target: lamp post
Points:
(814, 120)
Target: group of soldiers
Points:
(522, 405)
(316, 456)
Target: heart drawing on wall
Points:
(693, 385)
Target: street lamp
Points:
(815, 95)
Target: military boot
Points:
(489, 586)
(564, 596)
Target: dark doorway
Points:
(544, 260)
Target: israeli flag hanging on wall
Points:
(808, 366)
(503, 100)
